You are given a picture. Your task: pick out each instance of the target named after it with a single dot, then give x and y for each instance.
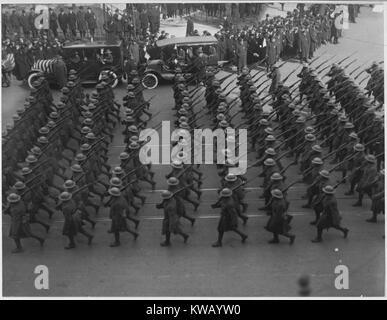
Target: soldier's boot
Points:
(185, 236)
(343, 230)
(167, 241)
(243, 217)
(135, 234)
(135, 207)
(373, 219)
(319, 236)
(189, 218)
(19, 247)
(275, 238)
(291, 237)
(116, 242)
(87, 235)
(359, 201)
(218, 243)
(241, 234)
(134, 220)
(71, 244)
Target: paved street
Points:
(143, 268)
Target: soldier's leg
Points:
(33, 219)
(129, 217)
(135, 234)
(241, 234)
(359, 201)
(343, 230)
(87, 235)
(184, 235)
(193, 202)
(19, 247)
(218, 243)
(116, 242)
(167, 241)
(71, 244)
(319, 235)
(189, 218)
(275, 238)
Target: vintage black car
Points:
(89, 59)
(170, 58)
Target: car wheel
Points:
(150, 81)
(112, 76)
(31, 78)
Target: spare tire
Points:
(112, 76)
(31, 78)
(150, 81)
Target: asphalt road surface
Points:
(143, 268)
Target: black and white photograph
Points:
(200, 149)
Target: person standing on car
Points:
(190, 27)
(63, 20)
(81, 22)
(91, 21)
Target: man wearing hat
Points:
(278, 223)
(228, 216)
(171, 221)
(330, 217)
(118, 208)
(73, 223)
(20, 227)
(174, 186)
(26, 195)
(236, 184)
(377, 197)
(368, 176)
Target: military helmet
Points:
(117, 171)
(166, 194)
(124, 156)
(76, 168)
(225, 193)
(115, 182)
(19, 185)
(317, 148)
(328, 190)
(310, 137)
(317, 160)
(69, 184)
(269, 162)
(277, 193)
(65, 196)
(359, 147)
(276, 176)
(115, 192)
(324, 173)
(13, 198)
(173, 181)
(370, 158)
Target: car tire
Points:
(114, 78)
(150, 81)
(31, 78)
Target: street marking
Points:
(215, 216)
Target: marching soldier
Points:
(330, 217)
(229, 217)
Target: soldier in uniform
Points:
(73, 223)
(118, 208)
(20, 227)
(330, 217)
(278, 222)
(171, 222)
(229, 217)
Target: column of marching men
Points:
(70, 140)
(37, 148)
